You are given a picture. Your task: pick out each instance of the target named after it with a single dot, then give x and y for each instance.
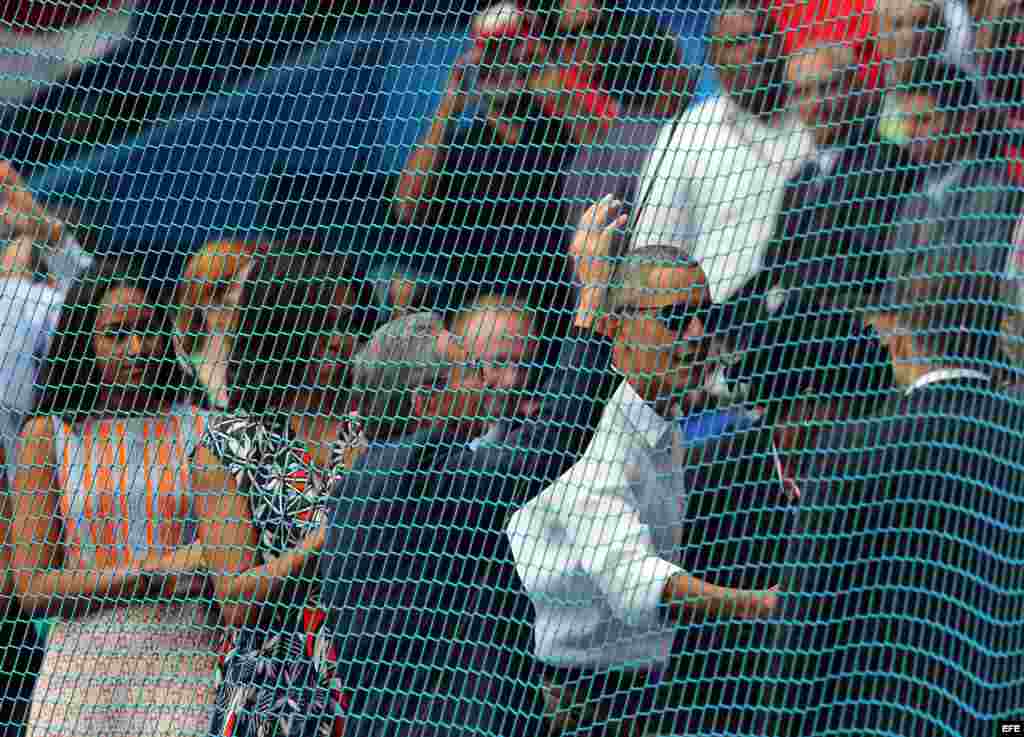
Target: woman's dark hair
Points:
(637, 49)
(69, 377)
(287, 304)
(956, 91)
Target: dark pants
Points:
(710, 686)
(21, 654)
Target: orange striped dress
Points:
(144, 668)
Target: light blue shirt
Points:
(28, 321)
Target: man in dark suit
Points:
(838, 208)
(430, 628)
(792, 364)
(904, 576)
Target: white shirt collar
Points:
(827, 160)
(945, 375)
(940, 184)
(639, 414)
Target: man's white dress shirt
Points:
(714, 182)
(596, 548)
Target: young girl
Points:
(103, 525)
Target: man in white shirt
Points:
(714, 180)
(838, 209)
(38, 245)
(597, 551)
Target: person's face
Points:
(668, 358)
(909, 29)
(933, 136)
(500, 346)
(823, 95)
(129, 349)
(739, 52)
(460, 403)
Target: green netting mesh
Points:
(553, 367)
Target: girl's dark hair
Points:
(952, 88)
(287, 304)
(69, 379)
(638, 48)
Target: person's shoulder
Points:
(396, 463)
(41, 427)
(1004, 404)
(694, 121)
(942, 411)
(720, 455)
(602, 466)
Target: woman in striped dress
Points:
(103, 531)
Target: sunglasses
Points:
(678, 317)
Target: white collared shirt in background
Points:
(714, 182)
(596, 548)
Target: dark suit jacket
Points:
(834, 229)
(978, 208)
(424, 606)
(737, 519)
(905, 578)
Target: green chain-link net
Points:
(543, 368)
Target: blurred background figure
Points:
(720, 200)
(838, 210)
(911, 30)
(965, 193)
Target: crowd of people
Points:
(661, 419)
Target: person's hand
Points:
(591, 255)
(314, 542)
(20, 212)
(181, 573)
(591, 247)
(760, 604)
(16, 259)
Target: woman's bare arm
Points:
(229, 547)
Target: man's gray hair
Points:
(401, 359)
(635, 274)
